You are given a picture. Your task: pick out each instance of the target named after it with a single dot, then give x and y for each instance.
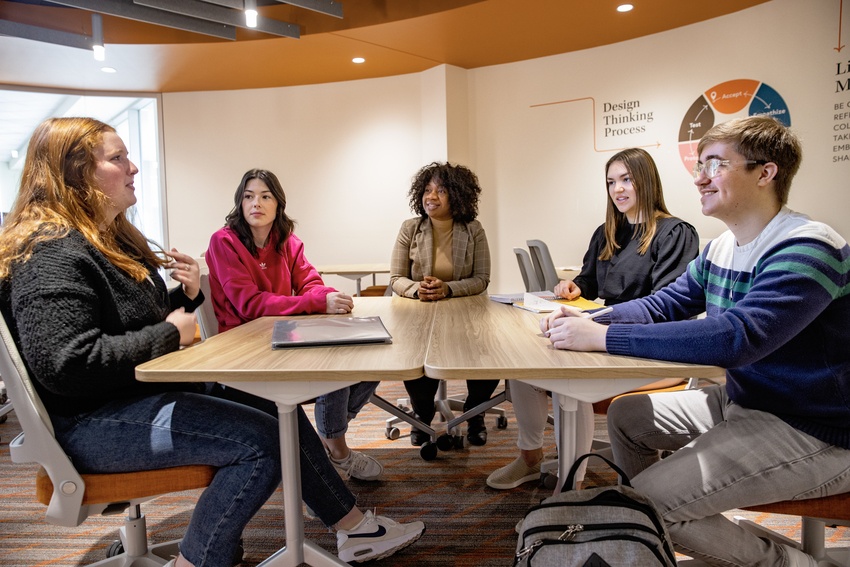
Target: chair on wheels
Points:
(445, 412)
(544, 267)
(71, 497)
(815, 514)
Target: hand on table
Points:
(568, 330)
(567, 289)
(433, 289)
(338, 303)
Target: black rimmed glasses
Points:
(711, 167)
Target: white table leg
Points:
(297, 550)
(565, 426)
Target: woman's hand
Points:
(433, 289)
(185, 270)
(185, 323)
(567, 289)
(338, 302)
(576, 333)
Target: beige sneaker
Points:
(358, 465)
(513, 475)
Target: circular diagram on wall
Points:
(732, 99)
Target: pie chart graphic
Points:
(732, 99)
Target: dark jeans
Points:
(228, 429)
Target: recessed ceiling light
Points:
(625, 8)
(108, 69)
(358, 60)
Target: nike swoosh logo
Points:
(380, 532)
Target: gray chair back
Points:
(544, 267)
(207, 322)
(526, 269)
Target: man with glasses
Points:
(776, 293)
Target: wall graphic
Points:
(732, 99)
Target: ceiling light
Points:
(625, 8)
(109, 69)
(97, 37)
(251, 13)
(358, 60)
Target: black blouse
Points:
(628, 274)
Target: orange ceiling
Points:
(395, 37)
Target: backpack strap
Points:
(624, 479)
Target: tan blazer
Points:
(413, 258)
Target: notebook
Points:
(543, 301)
(327, 331)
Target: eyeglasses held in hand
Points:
(711, 167)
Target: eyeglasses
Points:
(711, 167)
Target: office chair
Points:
(526, 269)
(544, 267)
(815, 514)
(71, 497)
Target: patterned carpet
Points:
(468, 524)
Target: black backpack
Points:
(612, 526)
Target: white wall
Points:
(345, 152)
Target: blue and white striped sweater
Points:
(777, 318)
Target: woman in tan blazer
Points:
(440, 254)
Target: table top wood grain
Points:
(245, 353)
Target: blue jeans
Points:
(726, 457)
(333, 411)
(181, 428)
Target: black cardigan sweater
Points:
(82, 325)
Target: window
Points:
(135, 118)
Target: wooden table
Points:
(355, 272)
(458, 339)
(242, 358)
(477, 338)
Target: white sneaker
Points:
(358, 465)
(376, 537)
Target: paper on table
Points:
(533, 303)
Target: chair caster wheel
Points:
(458, 442)
(428, 451)
(501, 422)
(548, 481)
(115, 548)
(445, 442)
(393, 433)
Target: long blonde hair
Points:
(650, 201)
(59, 192)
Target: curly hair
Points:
(59, 192)
(460, 182)
(283, 225)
